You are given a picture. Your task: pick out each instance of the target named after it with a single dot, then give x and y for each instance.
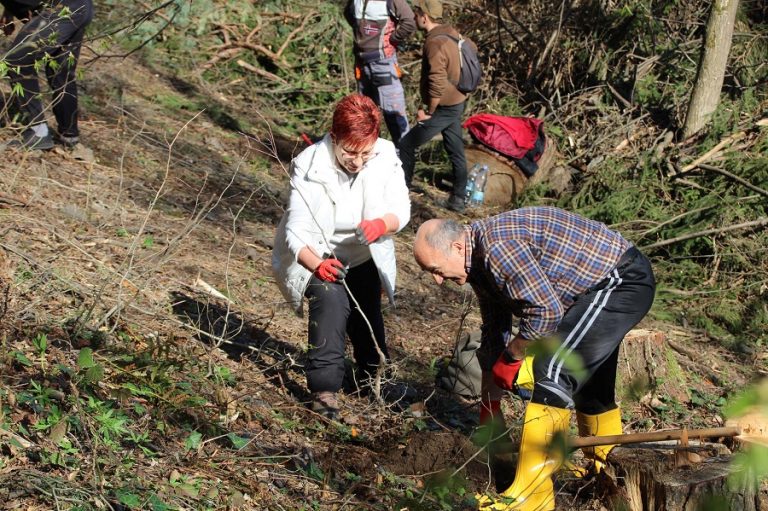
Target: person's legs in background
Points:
(56, 32)
(380, 81)
(454, 146)
(27, 48)
(421, 133)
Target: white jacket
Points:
(310, 216)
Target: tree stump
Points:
(646, 477)
(648, 367)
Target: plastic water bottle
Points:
(478, 187)
(471, 182)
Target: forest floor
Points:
(148, 361)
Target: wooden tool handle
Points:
(654, 436)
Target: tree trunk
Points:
(648, 477)
(709, 82)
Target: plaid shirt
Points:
(534, 261)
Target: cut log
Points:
(506, 181)
(647, 478)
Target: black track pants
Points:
(580, 372)
(56, 32)
(332, 315)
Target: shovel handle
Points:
(654, 436)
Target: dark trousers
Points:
(57, 32)
(445, 120)
(581, 372)
(333, 316)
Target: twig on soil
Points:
(23, 442)
(706, 156)
(209, 289)
(736, 178)
(708, 232)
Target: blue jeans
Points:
(380, 81)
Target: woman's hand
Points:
(330, 270)
(369, 231)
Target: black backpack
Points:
(471, 73)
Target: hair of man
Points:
(446, 231)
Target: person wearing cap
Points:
(50, 38)
(379, 27)
(334, 245)
(578, 287)
(444, 104)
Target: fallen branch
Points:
(293, 33)
(745, 225)
(260, 72)
(23, 442)
(209, 289)
(734, 177)
(706, 156)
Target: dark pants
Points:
(445, 120)
(581, 371)
(58, 32)
(333, 316)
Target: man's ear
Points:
(458, 245)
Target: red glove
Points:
(331, 270)
(370, 230)
(505, 370)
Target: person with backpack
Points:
(50, 38)
(379, 27)
(578, 287)
(444, 102)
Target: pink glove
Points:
(330, 270)
(505, 370)
(370, 230)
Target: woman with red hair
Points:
(334, 246)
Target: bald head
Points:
(437, 234)
(439, 248)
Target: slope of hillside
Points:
(148, 362)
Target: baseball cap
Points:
(432, 8)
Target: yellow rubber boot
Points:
(524, 378)
(606, 423)
(532, 488)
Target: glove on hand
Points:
(370, 230)
(331, 270)
(505, 370)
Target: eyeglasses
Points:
(354, 155)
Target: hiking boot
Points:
(326, 404)
(30, 141)
(455, 203)
(67, 141)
